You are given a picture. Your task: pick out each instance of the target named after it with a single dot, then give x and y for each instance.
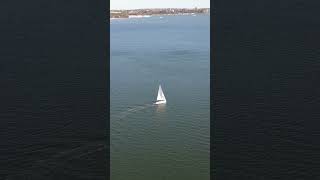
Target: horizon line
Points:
(162, 8)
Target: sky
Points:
(140, 4)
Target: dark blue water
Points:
(53, 94)
(266, 90)
(160, 142)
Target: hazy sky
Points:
(137, 4)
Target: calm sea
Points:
(266, 90)
(160, 142)
(53, 94)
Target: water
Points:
(266, 90)
(169, 141)
(53, 76)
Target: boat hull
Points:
(160, 102)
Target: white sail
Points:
(160, 98)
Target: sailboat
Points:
(161, 99)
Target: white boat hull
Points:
(160, 102)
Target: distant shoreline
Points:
(120, 14)
(160, 15)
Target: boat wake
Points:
(161, 99)
(131, 110)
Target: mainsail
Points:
(160, 96)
